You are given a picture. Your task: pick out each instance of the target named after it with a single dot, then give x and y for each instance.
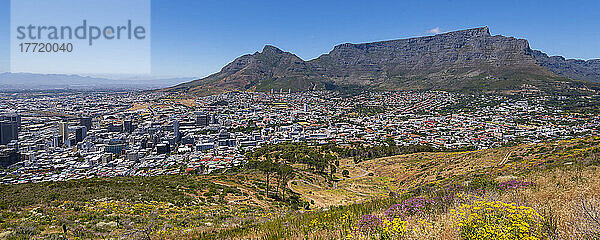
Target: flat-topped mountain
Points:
(468, 60)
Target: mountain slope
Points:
(468, 60)
(572, 68)
(271, 68)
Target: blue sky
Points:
(196, 38)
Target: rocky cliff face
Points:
(467, 48)
(471, 60)
(467, 52)
(572, 68)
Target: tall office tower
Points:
(12, 118)
(80, 133)
(163, 148)
(86, 121)
(9, 130)
(176, 129)
(128, 126)
(63, 131)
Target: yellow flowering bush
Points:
(394, 227)
(484, 220)
(423, 227)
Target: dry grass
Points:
(566, 194)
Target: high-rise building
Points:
(107, 158)
(5, 132)
(152, 131)
(176, 129)
(9, 156)
(144, 143)
(133, 156)
(86, 121)
(12, 118)
(63, 131)
(9, 130)
(188, 140)
(128, 126)
(95, 123)
(80, 133)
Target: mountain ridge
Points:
(588, 70)
(466, 60)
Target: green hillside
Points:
(541, 191)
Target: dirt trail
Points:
(365, 173)
(315, 199)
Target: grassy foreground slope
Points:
(533, 191)
(131, 207)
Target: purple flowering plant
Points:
(368, 224)
(408, 207)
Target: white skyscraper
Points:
(63, 130)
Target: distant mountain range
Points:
(32, 81)
(469, 60)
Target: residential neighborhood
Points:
(75, 135)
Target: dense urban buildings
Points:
(73, 135)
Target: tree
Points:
(287, 173)
(266, 167)
(346, 173)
